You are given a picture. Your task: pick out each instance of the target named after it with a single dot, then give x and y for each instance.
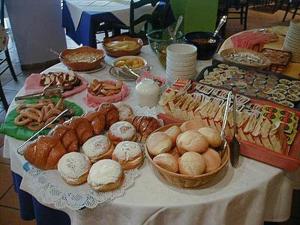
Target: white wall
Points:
(36, 27)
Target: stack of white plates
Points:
(292, 40)
(181, 62)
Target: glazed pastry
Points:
(166, 161)
(98, 147)
(158, 143)
(67, 136)
(74, 168)
(212, 160)
(145, 125)
(129, 154)
(45, 152)
(82, 127)
(191, 163)
(105, 175)
(121, 131)
(191, 141)
(111, 113)
(125, 111)
(97, 120)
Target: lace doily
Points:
(49, 188)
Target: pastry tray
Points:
(256, 73)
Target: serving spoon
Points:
(212, 39)
(173, 34)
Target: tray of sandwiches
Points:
(267, 132)
(273, 87)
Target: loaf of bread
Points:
(144, 125)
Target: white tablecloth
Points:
(119, 8)
(248, 195)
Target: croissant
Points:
(145, 125)
(111, 113)
(45, 152)
(67, 136)
(82, 127)
(97, 120)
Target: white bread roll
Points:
(192, 125)
(212, 136)
(158, 143)
(191, 163)
(166, 161)
(212, 160)
(173, 132)
(191, 141)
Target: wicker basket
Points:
(186, 181)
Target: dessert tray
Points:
(267, 132)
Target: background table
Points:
(248, 195)
(81, 18)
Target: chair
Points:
(291, 4)
(156, 20)
(6, 56)
(241, 8)
(199, 15)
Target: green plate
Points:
(22, 133)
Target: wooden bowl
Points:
(238, 56)
(186, 181)
(118, 53)
(83, 58)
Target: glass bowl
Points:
(159, 40)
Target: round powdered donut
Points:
(74, 168)
(121, 131)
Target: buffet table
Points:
(250, 194)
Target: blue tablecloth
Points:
(86, 31)
(31, 209)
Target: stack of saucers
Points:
(292, 40)
(181, 62)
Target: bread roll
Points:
(98, 147)
(105, 175)
(212, 136)
(158, 143)
(191, 141)
(173, 132)
(212, 160)
(166, 161)
(192, 125)
(129, 154)
(74, 168)
(191, 163)
(121, 131)
(175, 152)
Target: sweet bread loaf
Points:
(45, 152)
(145, 125)
(111, 113)
(67, 136)
(97, 120)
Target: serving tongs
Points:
(234, 144)
(225, 116)
(20, 148)
(47, 92)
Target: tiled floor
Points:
(9, 206)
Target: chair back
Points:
(199, 15)
(145, 18)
